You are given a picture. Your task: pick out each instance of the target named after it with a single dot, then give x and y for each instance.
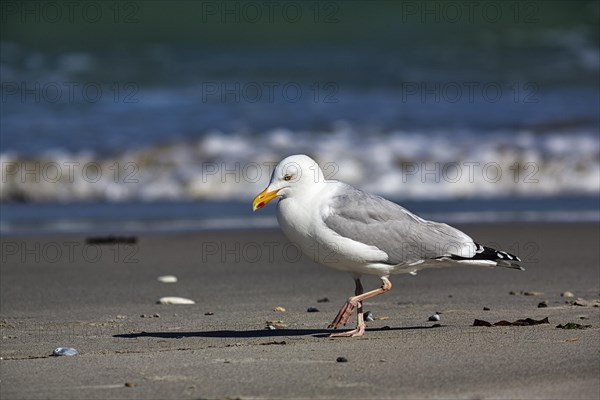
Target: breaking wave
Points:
(237, 165)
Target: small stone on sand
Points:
(434, 317)
(65, 351)
(175, 300)
(167, 279)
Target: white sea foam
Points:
(236, 166)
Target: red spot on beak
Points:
(260, 205)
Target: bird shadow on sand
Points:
(256, 333)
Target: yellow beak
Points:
(263, 198)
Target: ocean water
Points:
(193, 105)
(168, 217)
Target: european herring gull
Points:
(345, 228)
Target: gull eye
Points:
(287, 178)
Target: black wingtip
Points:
(488, 253)
(501, 258)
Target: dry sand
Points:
(58, 291)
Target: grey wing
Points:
(405, 238)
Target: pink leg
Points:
(356, 302)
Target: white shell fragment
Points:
(167, 279)
(435, 317)
(369, 316)
(175, 300)
(64, 351)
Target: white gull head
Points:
(294, 176)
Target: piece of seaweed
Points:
(519, 322)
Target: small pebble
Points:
(486, 309)
(567, 294)
(65, 351)
(155, 315)
(175, 300)
(312, 309)
(434, 317)
(279, 309)
(341, 359)
(120, 317)
(323, 300)
(512, 293)
(369, 316)
(209, 313)
(543, 304)
(130, 384)
(167, 279)
(270, 328)
(533, 293)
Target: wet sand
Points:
(101, 300)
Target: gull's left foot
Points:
(357, 332)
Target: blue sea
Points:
(176, 120)
(172, 217)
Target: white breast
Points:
(302, 223)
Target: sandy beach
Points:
(58, 290)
